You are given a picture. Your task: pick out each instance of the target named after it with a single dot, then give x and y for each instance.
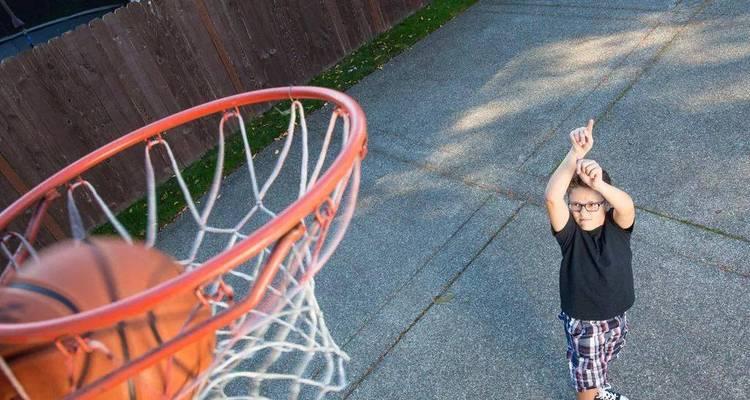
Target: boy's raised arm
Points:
(624, 210)
(624, 214)
(582, 141)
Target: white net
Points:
(283, 347)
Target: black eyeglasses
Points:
(589, 206)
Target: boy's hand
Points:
(590, 173)
(582, 139)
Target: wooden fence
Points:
(151, 59)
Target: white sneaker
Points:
(609, 394)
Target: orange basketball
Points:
(73, 277)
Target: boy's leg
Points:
(573, 332)
(587, 394)
(586, 361)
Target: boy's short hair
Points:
(577, 182)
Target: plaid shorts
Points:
(591, 346)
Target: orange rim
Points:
(46, 331)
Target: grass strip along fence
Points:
(264, 129)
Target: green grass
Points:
(264, 129)
(380, 50)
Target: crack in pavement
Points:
(356, 383)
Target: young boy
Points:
(596, 279)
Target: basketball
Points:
(71, 277)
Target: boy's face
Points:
(585, 218)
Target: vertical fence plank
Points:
(208, 65)
(11, 125)
(45, 145)
(320, 37)
(243, 46)
(334, 17)
(394, 11)
(89, 61)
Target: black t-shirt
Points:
(596, 275)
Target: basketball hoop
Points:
(271, 337)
